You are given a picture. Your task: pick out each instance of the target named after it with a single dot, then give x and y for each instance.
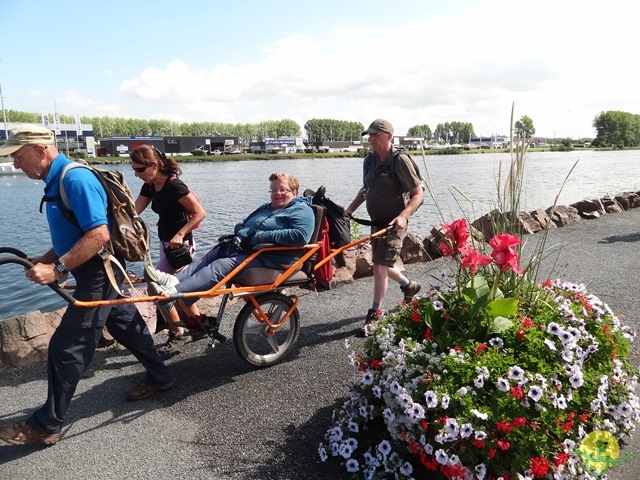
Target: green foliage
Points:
(524, 127)
(327, 130)
(617, 129)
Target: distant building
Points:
(123, 145)
(70, 137)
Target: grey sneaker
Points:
(152, 274)
(154, 289)
(410, 291)
(174, 343)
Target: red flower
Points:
(561, 458)
(472, 259)
(539, 467)
(427, 334)
(478, 443)
(584, 416)
(504, 252)
(481, 348)
(376, 363)
(457, 233)
(416, 317)
(424, 424)
(519, 422)
(516, 392)
(492, 452)
(504, 426)
(547, 283)
(503, 445)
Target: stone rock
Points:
(24, 339)
(413, 249)
(611, 205)
(527, 224)
(589, 209)
(628, 200)
(540, 215)
(563, 215)
(364, 265)
(431, 248)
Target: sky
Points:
(413, 62)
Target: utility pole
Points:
(4, 115)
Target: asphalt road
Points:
(226, 420)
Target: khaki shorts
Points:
(385, 250)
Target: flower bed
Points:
(487, 376)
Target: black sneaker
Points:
(174, 343)
(410, 291)
(370, 322)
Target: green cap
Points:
(379, 125)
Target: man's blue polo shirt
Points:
(88, 201)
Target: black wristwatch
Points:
(60, 267)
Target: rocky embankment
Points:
(24, 338)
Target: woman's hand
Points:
(177, 240)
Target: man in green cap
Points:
(392, 197)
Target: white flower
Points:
(323, 453)
(503, 385)
(477, 413)
(384, 447)
(367, 378)
(535, 393)
(481, 471)
(352, 465)
(496, 342)
(353, 427)
(478, 382)
(550, 344)
(377, 391)
(576, 380)
(479, 435)
(431, 398)
(345, 450)
(554, 328)
(445, 401)
(516, 373)
(462, 391)
(406, 469)
(441, 457)
(466, 430)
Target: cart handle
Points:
(21, 258)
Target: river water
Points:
(231, 190)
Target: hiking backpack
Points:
(391, 168)
(129, 234)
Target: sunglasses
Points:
(140, 169)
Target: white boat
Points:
(7, 168)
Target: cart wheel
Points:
(253, 340)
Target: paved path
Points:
(228, 421)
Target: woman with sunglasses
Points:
(179, 211)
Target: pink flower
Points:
(457, 234)
(504, 252)
(472, 259)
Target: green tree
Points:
(524, 128)
(617, 129)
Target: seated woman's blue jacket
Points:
(292, 225)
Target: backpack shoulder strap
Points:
(63, 193)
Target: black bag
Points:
(229, 246)
(178, 257)
(339, 224)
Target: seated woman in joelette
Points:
(286, 220)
